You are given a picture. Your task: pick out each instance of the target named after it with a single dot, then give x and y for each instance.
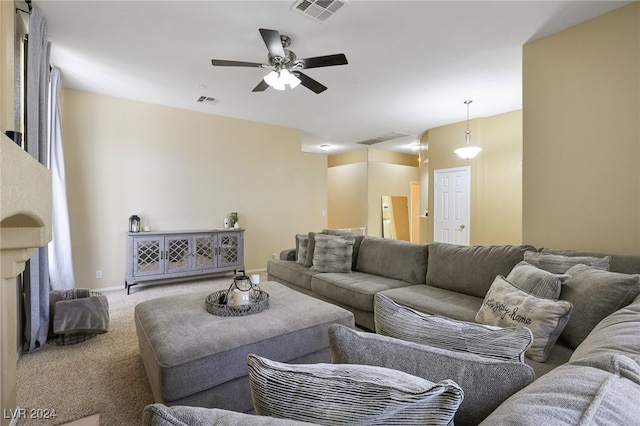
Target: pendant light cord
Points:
(468, 132)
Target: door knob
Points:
(462, 226)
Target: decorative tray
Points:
(213, 305)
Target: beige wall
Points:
(581, 174)
(358, 180)
(347, 191)
(496, 175)
(180, 169)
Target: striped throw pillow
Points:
(401, 322)
(559, 264)
(537, 281)
(341, 394)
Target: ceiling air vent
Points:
(318, 10)
(208, 100)
(384, 138)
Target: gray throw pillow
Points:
(506, 344)
(302, 242)
(505, 305)
(486, 382)
(311, 246)
(536, 281)
(559, 264)
(333, 253)
(594, 294)
(341, 394)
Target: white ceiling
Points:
(412, 64)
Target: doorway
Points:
(395, 217)
(452, 205)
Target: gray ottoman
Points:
(192, 357)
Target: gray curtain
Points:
(36, 289)
(60, 260)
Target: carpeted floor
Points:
(103, 375)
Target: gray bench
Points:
(192, 357)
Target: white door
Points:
(451, 204)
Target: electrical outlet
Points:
(274, 256)
(98, 274)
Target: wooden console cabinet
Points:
(181, 255)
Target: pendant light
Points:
(468, 151)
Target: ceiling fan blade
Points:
(310, 83)
(324, 61)
(224, 63)
(274, 43)
(261, 87)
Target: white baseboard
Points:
(120, 287)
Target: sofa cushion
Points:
(290, 272)
(400, 260)
(536, 281)
(470, 269)
(617, 333)
(436, 301)
(333, 253)
(179, 415)
(572, 394)
(506, 306)
(302, 242)
(333, 394)
(595, 294)
(401, 322)
(486, 382)
(559, 354)
(559, 264)
(356, 289)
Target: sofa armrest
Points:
(288, 254)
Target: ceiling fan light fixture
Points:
(286, 77)
(273, 80)
(292, 80)
(468, 151)
(285, 64)
(281, 78)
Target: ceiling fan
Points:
(286, 67)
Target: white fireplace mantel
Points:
(25, 223)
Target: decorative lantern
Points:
(134, 223)
(242, 291)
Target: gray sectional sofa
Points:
(590, 373)
(573, 318)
